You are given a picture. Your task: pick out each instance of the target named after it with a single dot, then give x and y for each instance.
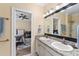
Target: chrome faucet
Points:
(46, 36)
(64, 41)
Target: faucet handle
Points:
(63, 41)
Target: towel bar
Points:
(6, 18)
(4, 40)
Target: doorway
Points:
(21, 32)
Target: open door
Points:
(23, 17)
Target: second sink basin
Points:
(61, 46)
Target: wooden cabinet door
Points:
(47, 53)
(41, 50)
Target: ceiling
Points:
(44, 4)
(72, 10)
(41, 4)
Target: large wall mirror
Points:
(63, 23)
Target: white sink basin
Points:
(61, 46)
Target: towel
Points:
(1, 25)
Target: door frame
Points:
(13, 31)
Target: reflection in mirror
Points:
(56, 26)
(67, 26)
(52, 25)
(48, 24)
(72, 20)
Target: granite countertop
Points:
(74, 52)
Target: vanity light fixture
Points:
(49, 12)
(60, 8)
(46, 14)
(57, 7)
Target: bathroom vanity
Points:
(44, 47)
